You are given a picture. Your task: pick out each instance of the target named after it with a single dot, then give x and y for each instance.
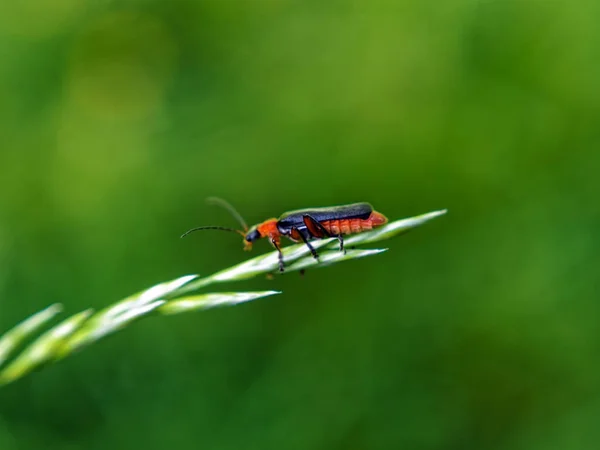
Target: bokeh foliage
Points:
(480, 331)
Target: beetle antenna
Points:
(212, 228)
(226, 205)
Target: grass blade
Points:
(206, 301)
(15, 337)
(43, 349)
(330, 257)
(168, 298)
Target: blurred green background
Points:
(478, 331)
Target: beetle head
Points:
(250, 237)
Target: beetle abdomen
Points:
(352, 226)
(346, 226)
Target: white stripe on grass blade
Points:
(206, 301)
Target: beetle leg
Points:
(341, 239)
(317, 230)
(276, 245)
(314, 227)
(310, 247)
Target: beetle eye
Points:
(253, 235)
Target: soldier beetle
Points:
(304, 225)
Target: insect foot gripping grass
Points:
(18, 357)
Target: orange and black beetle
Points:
(305, 225)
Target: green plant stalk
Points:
(269, 263)
(43, 348)
(86, 327)
(11, 340)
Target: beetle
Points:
(304, 225)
